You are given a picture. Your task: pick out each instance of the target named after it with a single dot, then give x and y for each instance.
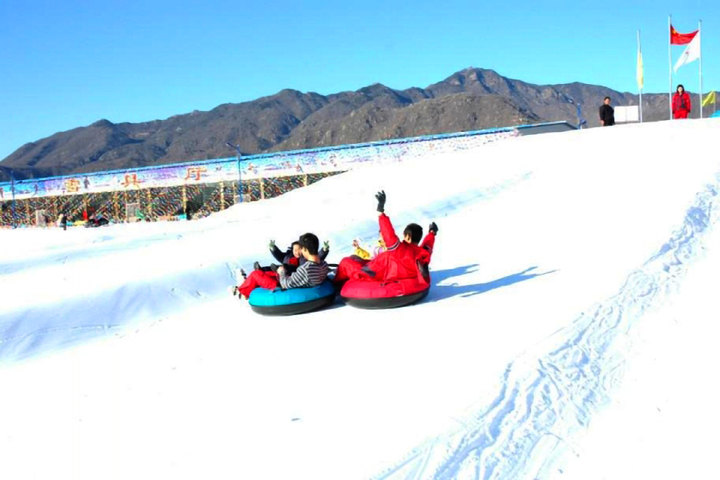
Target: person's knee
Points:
(267, 280)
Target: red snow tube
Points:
(373, 294)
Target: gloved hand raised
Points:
(381, 201)
(433, 228)
(326, 245)
(271, 245)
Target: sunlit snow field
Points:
(569, 332)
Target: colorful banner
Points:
(283, 164)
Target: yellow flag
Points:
(639, 72)
(709, 100)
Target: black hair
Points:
(679, 87)
(295, 243)
(311, 242)
(606, 98)
(415, 231)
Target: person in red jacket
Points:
(403, 259)
(681, 105)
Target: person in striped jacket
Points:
(292, 257)
(311, 273)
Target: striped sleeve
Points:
(309, 274)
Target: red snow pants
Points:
(258, 278)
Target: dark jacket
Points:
(607, 115)
(290, 261)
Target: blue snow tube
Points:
(291, 301)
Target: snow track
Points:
(545, 398)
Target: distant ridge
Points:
(470, 99)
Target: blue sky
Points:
(68, 64)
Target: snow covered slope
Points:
(123, 356)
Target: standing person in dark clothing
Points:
(62, 221)
(607, 113)
(681, 105)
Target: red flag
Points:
(680, 38)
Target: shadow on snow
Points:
(442, 289)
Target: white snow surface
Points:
(569, 332)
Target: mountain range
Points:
(470, 99)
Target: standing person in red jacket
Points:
(681, 105)
(402, 259)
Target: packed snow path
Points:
(124, 356)
(545, 398)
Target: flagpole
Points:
(700, 46)
(636, 73)
(669, 67)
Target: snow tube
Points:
(291, 301)
(374, 295)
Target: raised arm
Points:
(359, 251)
(323, 253)
(275, 251)
(428, 242)
(386, 227)
(387, 231)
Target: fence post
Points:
(149, 202)
(116, 206)
(12, 190)
(184, 199)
